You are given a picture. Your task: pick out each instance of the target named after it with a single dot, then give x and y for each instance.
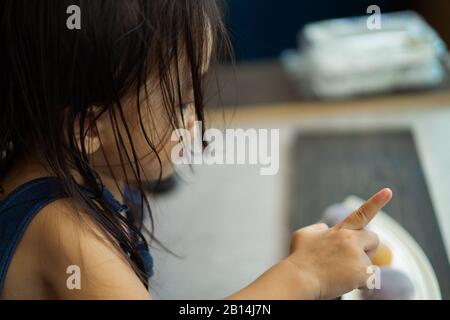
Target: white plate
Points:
(407, 255)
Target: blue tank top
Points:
(23, 204)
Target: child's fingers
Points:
(360, 218)
(368, 240)
(371, 253)
(317, 227)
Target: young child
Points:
(88, 112)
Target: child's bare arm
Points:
(68, 239)
(324, 262)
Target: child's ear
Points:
(90, 136)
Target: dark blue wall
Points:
(263, 28)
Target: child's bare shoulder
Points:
(63, 239)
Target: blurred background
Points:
(359, 107)
(262, 30)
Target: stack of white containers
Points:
(343, 57)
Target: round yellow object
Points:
(383, 256)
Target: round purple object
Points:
(394, 285)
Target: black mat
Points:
(327, 167)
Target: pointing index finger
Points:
(360, 218)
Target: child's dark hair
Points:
(51, 76)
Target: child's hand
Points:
(334, 261)
(324, 262)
